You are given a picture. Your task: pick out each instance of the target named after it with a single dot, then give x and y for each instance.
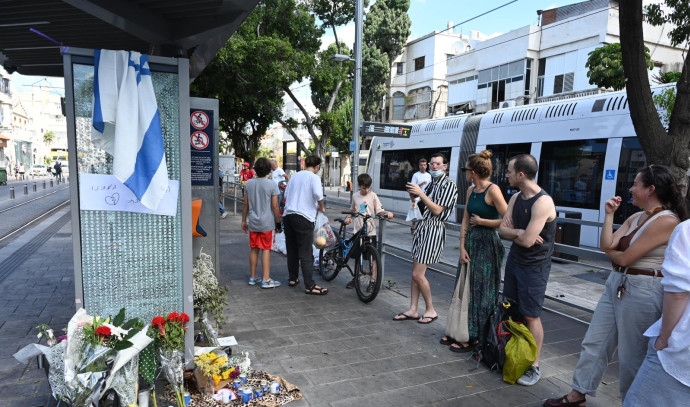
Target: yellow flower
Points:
(216, 379)
(226, 374)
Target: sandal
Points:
(293, 283)
(564, 402)
(446, 340)
(316, 290)
(460, 348)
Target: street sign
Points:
(352, 145)
(387, 129)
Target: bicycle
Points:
(367, 273)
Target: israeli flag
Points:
(126, 123)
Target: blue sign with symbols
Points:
(352, 145)
(610, 175)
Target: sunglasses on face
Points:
(465, 169)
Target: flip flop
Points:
(461, 348)
(447, 341)
(404, 316)
(293, 283)
(431, 319)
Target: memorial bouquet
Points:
(168, 334)
(214, 371)
(209, 296)
(97, 355)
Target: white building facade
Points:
(546, 62)
(418, 87)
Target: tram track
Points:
(32, 200)
(36, 219)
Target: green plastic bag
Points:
(521, 352)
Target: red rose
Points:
(158, 322)
(103, 331)
(174, 316)
(184, 318)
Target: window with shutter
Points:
(568, 80)
(558, 84)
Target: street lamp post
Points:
(357, 98)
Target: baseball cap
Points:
(246, 164)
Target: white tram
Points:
(586, 148)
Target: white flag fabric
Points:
(126, 123)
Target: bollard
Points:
(51, 183)
(26, 189)
(382, 254)
(11, 192)
(234, 198)
(44, 184)
(34, 187)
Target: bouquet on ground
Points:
(209, 296)
(168, 334)
(97, 355)
(213, 371)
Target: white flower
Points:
(117, 332)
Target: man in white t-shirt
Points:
(303, 198)
(277, 173)
(421, 178)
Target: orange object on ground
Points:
(197, 230)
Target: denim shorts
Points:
(526, 285)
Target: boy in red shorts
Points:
(260, 216)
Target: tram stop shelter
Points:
(140, 261)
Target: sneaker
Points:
(270, 283)
(370, 287)
(253, 281)
(223, 215)
(351, 284)
(530, 377)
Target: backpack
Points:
(492, 346)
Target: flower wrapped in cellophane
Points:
(168, 333)
(96, 355)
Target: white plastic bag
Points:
(414, 213)
(323, 234)
(279, 243)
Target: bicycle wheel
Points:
(367, 283)
(329, 265)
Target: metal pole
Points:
(380, 240)
(234, 199)
(359, 12)
(44, 184)
(34, 187)
(51, 183)
(11, 192)
(26, 189)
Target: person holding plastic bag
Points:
(366, 201)
(303, 199)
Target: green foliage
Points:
(385, 31)
(667, 77)
(676, 12)
(605, 66)
(342, 126)
(48, 137)
(666, 100)
(326, 76)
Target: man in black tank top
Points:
(530, 223)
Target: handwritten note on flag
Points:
(98, 192)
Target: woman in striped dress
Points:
(438, 200)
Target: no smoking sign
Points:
(199, 120)
(199, 140)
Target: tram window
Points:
(500, 155)
(631, 161)
(397, 167)
(571, 172)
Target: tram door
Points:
(631, 161)
(501, 154)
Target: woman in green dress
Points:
(481, 256)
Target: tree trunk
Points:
(673, 148)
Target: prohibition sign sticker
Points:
(199, 120)
(199, 140)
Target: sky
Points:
(426, 15)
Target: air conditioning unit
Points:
(507, 103)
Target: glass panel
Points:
(130, 260)
(571, 172)
(517, 68)
(501, 154)
(484, 76)
(631, 161)
(397, 167)
(504, 71)
(494, 73)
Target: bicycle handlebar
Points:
(359, 214)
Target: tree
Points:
(605, 66)
(48, 137)
(670, 147)
(385, 32)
